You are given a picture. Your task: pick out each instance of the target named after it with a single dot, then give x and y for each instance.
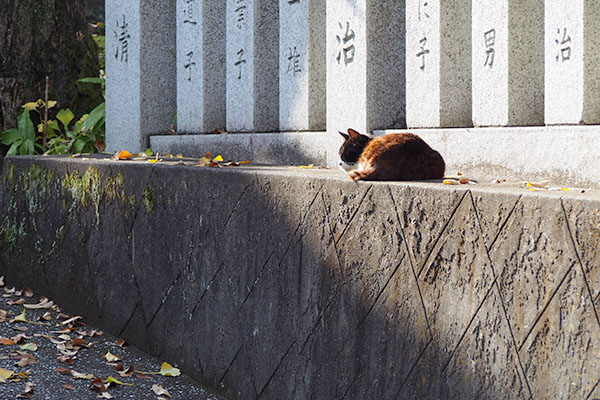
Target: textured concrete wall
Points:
(283, 283)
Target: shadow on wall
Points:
(266, 285)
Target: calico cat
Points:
(393, 157)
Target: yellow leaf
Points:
(29, 347)
(20, 318)
(5, 374)
(31, 105)
(218, 158)
(51, 103)
(450, 182)
(110, 379)
(167, 369)
(111, 357)
(566, 189)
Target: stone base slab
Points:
(283, 283)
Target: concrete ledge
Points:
(286, 148)
(568, 155)
(282, 283)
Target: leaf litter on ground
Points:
(79, 348)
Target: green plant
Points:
(22, 140)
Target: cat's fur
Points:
(393, 157)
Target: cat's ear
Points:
(346, 137)
(353, 134)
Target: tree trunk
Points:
(40, 38)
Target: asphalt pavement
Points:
(47, 355)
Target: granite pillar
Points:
(438, 63)
(508, 62)
(140, 72)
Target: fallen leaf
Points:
(6, 341)
(67, 386)
(450, 182)
(29, 347)
(140, 375)
(18, 302)
(125, 372)
(111, 357)
(18, 338)
(1, 281)
(20, 318)
(105, 395)
(28, 292)
(110, 379)
(159, 390)
(122, 342)
(64, 371)
(80, 375)
(29, 387)
(167, 369)
(70, 320)
(307, 166)
(25, 360)
(124, 155)
(3, 315)
(65, 359)
(80, 342)
(97, 385)
(21, 328)
(218, 158)
(47, 316)
(44, 303)
(5, 374)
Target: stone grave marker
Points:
(572, 47)
(508, 62)
(252, 59)
(302, 97)
(438, 63)
(200, 66)
(140, 72)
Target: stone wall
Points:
(283, 283)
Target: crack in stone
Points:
(231, 363)
(207, 288)
(592, 391)
(379, 294)
(575, 249)
(289, 245)
(354, 214)
(412, 261)
(277, 367)
(335, 248)
(503, 225)
(164, 299)
(130, 318)
(356, 376)
(414, 366)
(320, 318)
(442, 233)
(238, 202)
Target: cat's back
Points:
(396, 144)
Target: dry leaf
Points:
(79, 375)
(3, 315)
(65, 359)
(70, 320)
(5, 374)
(29, 347)
(450, 182)
(25, 360)
(105, 395)
(123, 155)
(111, 357)
(47, 316)
(167, 369)
(65, 371)
(28, 292)
(6, 341)
(122, 342)
(159, 390)
(67, 386)
(44, 303)
(125, 372)
(1, 281)
(18, 302)
(97, 385)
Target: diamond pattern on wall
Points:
(531, 257)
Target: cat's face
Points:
(351, 149)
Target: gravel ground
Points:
(81, 348)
